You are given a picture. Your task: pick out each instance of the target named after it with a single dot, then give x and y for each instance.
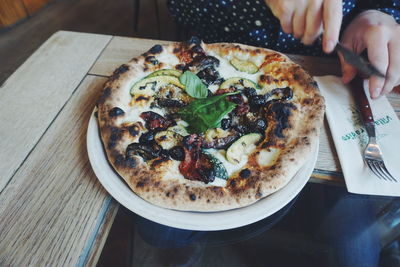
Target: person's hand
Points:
(380, 35)
(306, 19)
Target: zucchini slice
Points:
(149, 85)
(165, 72)
(167, 139)
(218, 166)
(241, 147)
(243, 65)
(239, 83)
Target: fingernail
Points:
(377, 92)
(329, 46)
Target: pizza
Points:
(208, 127)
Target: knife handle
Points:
(357, 86)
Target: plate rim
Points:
(209, 221)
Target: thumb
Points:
(348, 71)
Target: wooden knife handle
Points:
(361, 99)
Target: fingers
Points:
(305, 19)
(284, 11)
(332, 19)
(299, 22)
(393, 71)
(377, 45)
(313, 26)
(286, 21)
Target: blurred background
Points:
(26, 24)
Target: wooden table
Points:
(53, 210)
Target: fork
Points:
(372, 154)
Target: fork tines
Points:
(379, 169)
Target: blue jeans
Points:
(348, 226)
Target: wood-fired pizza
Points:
(209, 127)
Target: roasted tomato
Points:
(196, 165)
(155, 121)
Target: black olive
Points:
(245, 173)
(192, 197)
(209, 76)
(219, 81)
(134, 130)
(164, 153)
(146, 151)
(202, 62)
(156, 49)
(194, 40)
(226, 124)
(180, 67)
(198, 49)
(249, 92)
(209, 61)
(257, 100)
(284, 93)
(152, 60)
(115, 112)
(260, 125)
(288, 93)
(242, 129)
(237, 99)
(177, 153)
(147, 137)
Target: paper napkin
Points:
(350, 137)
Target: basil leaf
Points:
(206, 113)
(193, 85)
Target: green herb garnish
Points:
(193, 85)
(207, 113)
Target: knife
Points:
(365, 68)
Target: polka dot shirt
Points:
(252, 22)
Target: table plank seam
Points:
(55, 117)
(44, 133)
(98, 75)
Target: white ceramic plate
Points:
(202, 221)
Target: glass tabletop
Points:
(323, 226)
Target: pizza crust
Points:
(160, 181)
